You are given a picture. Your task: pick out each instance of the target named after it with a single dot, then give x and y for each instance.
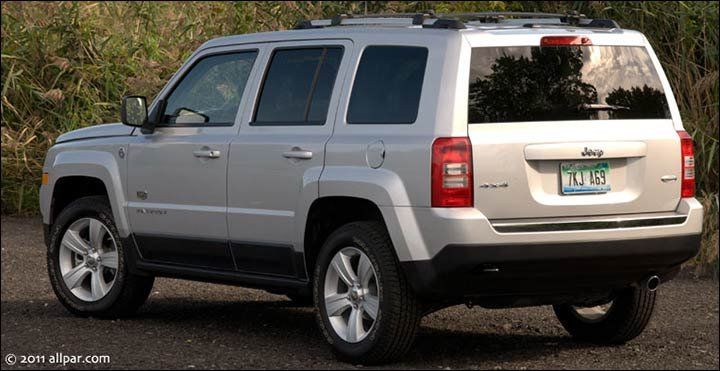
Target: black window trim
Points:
(324, 47)
(187, 71)
(417, 114)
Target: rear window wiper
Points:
(600, 107)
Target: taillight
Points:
(564, 40)
(452, 179)
(688, 164)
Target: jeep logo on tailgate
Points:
(592, 152)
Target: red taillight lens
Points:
(688, 164)
(564, 40)
(452, 179)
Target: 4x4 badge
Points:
(494, 185)
(592, 152)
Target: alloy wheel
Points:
(88, 259)
(351, 294)
(593, 314)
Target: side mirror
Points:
(133, 111)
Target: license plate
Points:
(585, 177)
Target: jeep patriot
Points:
(383, 167)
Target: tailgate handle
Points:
(585, 150)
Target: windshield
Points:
(532, 83)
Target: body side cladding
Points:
(280, 260)
(101, 165)
(257, 281)
(205, 253)
(264, 266)
(382, 187)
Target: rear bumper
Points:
(472, 270)
(420, 233)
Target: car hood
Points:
(97, 131)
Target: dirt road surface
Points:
(196, 325)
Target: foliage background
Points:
(66, 65)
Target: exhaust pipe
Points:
(652, 283)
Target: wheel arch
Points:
(76, 174)
(72, 187)
(327, 214)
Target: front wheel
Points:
(620, 320)
(87, 262)
(366, 308)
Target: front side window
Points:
(298, 86)
(552, 83)
(387, 86)
(211, 92)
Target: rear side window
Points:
(298, 87)
(552, 83)
(388, 84)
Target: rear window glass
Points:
(387, 85)
(514, 84)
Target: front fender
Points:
(90, 163)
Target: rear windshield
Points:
(529, 83)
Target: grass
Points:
(66, 65)
(706, 263)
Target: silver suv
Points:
(383, 167)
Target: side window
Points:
(388, 84)
(298, 87)
(211, 92)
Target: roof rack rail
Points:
(458, 20)
(594, 23)
(572, 18)
(417, 19)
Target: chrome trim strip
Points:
(585, 224)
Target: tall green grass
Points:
(66, 65)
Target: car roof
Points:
(345, 32)
(384, 26)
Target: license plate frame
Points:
(585, 177)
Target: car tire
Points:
(397, 312)
(628, 315)
(92, 295)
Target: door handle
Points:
(206, 153)
(298, 154)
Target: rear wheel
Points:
(620, 320)
(366, 309)
(87, 262)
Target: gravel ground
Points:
(197, 325)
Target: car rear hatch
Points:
(570, 126)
